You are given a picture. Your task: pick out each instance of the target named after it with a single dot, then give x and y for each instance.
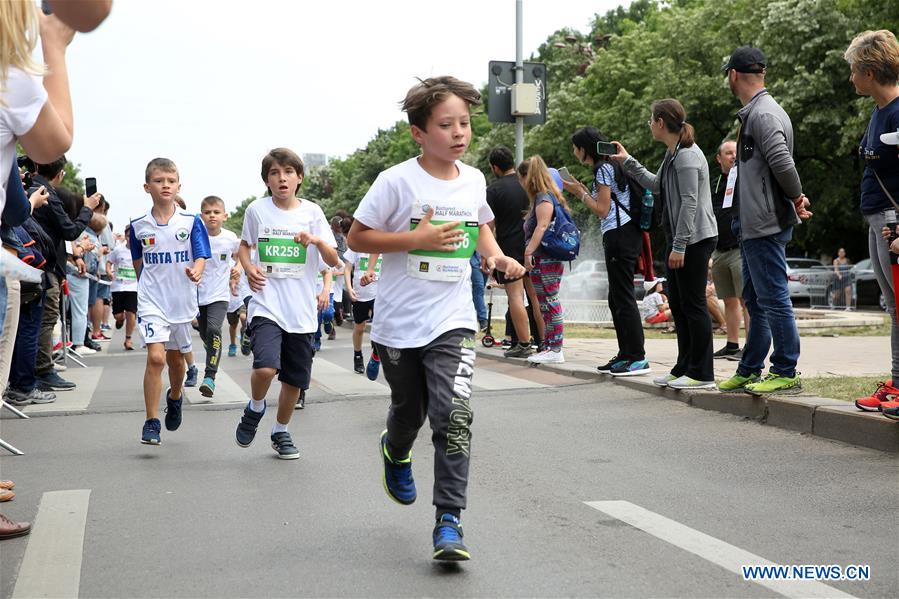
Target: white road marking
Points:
(52, 563)
(343, 380)
(78, 398)
(226, 391)
(490, 380)
(718, 552)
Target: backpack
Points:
(562, 239)
(635, 194)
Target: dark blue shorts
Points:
(288, 353)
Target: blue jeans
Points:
(770, 310)
(79, 292)
(24, 355)
(477, 287)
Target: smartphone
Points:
(604, 148)
(90, 186)
(45, 7)
(566, 176)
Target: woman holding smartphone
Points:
(622, 242)
(691, 233)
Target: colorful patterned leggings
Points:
(546, 277)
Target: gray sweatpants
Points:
(210, 321)
(879, 250)
(434, 381)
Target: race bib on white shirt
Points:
(279, 256)
(729, 189)
(444, 266)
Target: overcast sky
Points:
(215, 84)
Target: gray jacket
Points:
(766, 174)
(683, 180)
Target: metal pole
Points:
(519, 78)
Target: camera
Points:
(29, 166)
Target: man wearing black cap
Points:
(769, 201)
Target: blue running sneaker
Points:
(316, 345)
(207, 387)
(374, 365)
(246, 428)
(192, 374)
(173, 411)
(630, 368)
(150, 434)
(283, 444)
(245, 344)
(448, 545)
(329, 327)
(232, 350)
(398, 481)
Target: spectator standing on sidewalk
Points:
(842, 281)
(769, 199)
(689, 224)
(509, 202)
(873, 58)
(622, 242)
(727, 266)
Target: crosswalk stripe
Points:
(52, 563)
(490, 380)
(227, 391)
(343, 380)
(78, 398)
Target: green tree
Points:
(235, 219)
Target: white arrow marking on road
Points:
(709, 548)
(52, 563)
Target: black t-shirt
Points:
(509, 202)
(724, 216)
(880, 158)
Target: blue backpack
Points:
(562, 239)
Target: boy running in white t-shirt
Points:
(362, 287)
(427, 216)
(124, 288)
(219, 278)
(169, 249)
(291, 236)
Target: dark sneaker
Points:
(207, 387)
(398, 481)
(245, 344)
(332, 335)
(448, 545)
(726, 352)
(53, 382)
(192, 375)
(630, 368)
(317, 345)
(522, 350)
(283, 444)
(735, 357)
(246, 428)
(232, 350)
(607, 367)
(374, 365)
(329, 327)
(358, 363)
(173, 411)
(482, 326)
(150, 434)
(301, 400)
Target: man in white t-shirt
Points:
(290, 237)
(361, 281)
(124, 288)
(219, 279)
(427, 216)
(169, 249)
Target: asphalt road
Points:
(688, 493)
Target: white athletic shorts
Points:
(174, 335)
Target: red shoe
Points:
(885, 392)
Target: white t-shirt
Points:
(288, 297)
(214, 286)
(360, 263)
(413, 311)
(23, 98)
(163, 289)
(650, 305)
(123, 267)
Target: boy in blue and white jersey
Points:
(169, 249)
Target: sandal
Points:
(127, 344)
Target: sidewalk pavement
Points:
(821, 356)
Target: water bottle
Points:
(890, 222)
(646, 212)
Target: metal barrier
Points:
(830, 287)
(574, 310)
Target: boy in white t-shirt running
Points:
(291, 236)
(169, 249)
(219, 279)
(427, 216)
(124, 288)
(361, 282)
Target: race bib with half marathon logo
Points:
(126, 273)
(279, 256)
(444, 266)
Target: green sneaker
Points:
(738, 382)
(775, 384)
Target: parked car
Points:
(867, 289)
(587, 280)
(798, 270)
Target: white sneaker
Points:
(83, 350)
(686, 382)
(59, 367)
(662, 381)
(547, 357)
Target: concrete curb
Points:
(827, 418)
